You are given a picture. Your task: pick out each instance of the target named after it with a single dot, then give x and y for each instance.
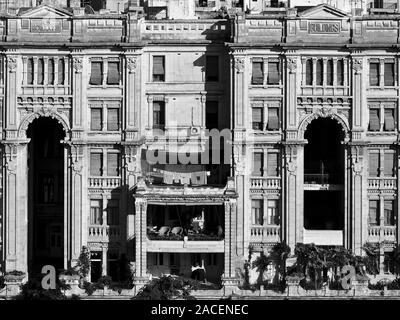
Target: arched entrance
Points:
(324, 176)
(45, 194)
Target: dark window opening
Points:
(159, 115)
(340, 73)
(329, 73)
(96, 76)
(320, 72)
(158, 68)
(373, 218)
(212, 68)
(257, 73)
(274, 74)
(389, 75)
(374, 74)
(257, 117)
(212, 115)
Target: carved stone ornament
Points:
(78, 64)
(12, 64)
(131, 64)
(357, 166)
(11, 165)
(77, 166)
(239, 64)
(357, 65)
(292, 64)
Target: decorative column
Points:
(359, 102)
(78, 95)
(11, 124)
(291, 97)
(140, 239)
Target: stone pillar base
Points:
(139, 283)
(231, 285)
(13, 284)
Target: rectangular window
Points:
(258, 163)
(388, 213)
(112, 164)
(274, 74)
(96, 119)
(272, 164)
(96, 164)
(61, 71)
(388, 263)
(212, 115)
(320, 72)
(389, 74)
(257, 73)
(112, 119)
(272, 212)
(374, 121)
(30, 67)
(158, 68)
(389, 124)
(257, 116)
(257, 212)
(96, 212)
(96, 75)
(329, 73)
(374, 74)
(340, 73)
(212, 68)
(309, 72)
(158, 115)
(50, 72)
(112, 213)
(40, 78)
(373, 218)
(374, 164)
(389, 164)
(113, 76)
(273, 119)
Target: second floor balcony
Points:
(265, 234)
(103, 233)
(382, 233)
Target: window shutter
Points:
(389, 216)
(112, 164)
(113, 76)
(374, 74)
(373, 164)
(257, 73)
(320, 72)
(40, 71)
(61, 71)
(340, 72)
(96, 77)
(389, 164)
(257, 163)
(309, 72)
(212, 67)
(50, 71)
(272, 164)
(329, 73)
(257, 216)
(274, 74)
(112, 119)
(158, 115)
(373, 212)
(273, 119)
(374, 122)
(96, 119)
(389, 74)
(158, 68)
(96, 212)
(96, 164)
(389, 120)
(257, 118)
(30, 71)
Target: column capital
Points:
(239, 64)
(78, 64)
(131, 63)
(357, 65)
(12, 63)
(291, 64)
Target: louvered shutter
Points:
(96, 164)
(257, 73)
(389, 74)
(320, 73)
(389, 164)
(374, 122)
(212, 68)
(40, 78)
(272, 164)
(257, 118)
(50, 72)
(61, 71)
(309, 72)
(340, 72)
(30, 67)
(112, 164)
(113, 76)
(329, 73)
(113, 119)
(273, 73)
(96, 77)
(373, 164)
(96, 119)
(273, 119)
(374, 74)
(158, 68)
(257, 163)
(389, 120)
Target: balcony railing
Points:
(265, 183)
(265, 233)
(103, 233)
(382, 183)
(105, 182)
(319, 178)
(380, 233)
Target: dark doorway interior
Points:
(46, 195)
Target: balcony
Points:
(265, 234)
(322, 181)
(105, 182)
(381, 233)
(323, 237)
(382, 183)
(185, 245)
(103, 233)
(265, 183)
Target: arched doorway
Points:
(45, 194)
(324, 176)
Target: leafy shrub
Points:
(2, 284)
(394, 285)
(84, 262)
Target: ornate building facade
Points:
(309, 96)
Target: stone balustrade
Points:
(382, 183)
(265, 233)
(381, 233)
(103, 233)
(105, 182)
(265, 183)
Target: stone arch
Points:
(28, 119)
(324, 114)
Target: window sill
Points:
(107, 86)
(267, 86)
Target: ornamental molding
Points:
(12, 64)
(131, 64)
(78, 64)
(239, 64)
(291, 64)
(357, 65)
